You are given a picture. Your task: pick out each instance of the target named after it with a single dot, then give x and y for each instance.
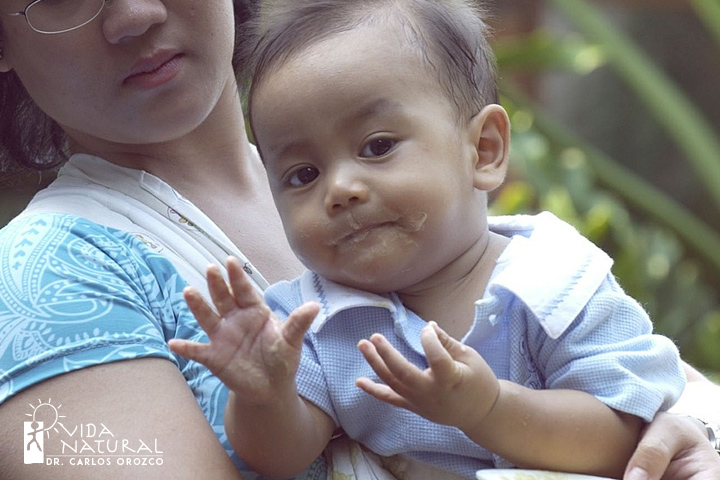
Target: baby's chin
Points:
(374, 280)
(379, 283)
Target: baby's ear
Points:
(490, 131)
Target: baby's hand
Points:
(254, 353)
(457, 389)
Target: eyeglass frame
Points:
(23, 13)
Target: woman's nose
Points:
(344, 190)
(125, 19)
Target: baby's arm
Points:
(256, 355)
(562, 430)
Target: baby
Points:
(423, 327)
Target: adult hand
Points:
(673, 447)
(252, 351)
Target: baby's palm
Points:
(250, 350)
(458, 388)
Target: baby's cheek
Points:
(310, 240)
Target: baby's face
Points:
(370, 170)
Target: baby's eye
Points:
(377, 147)
(302, 176)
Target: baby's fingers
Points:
(243, 293)
(192, 350)
(298, 322)
(382, 392)
(220, 293)
(374, 360)
(205, 315)
(392, 368)
(441, 351)
(456, 349)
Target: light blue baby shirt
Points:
(552, 316)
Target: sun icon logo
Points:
(48, 413)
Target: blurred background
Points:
(615, 108)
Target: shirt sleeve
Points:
(610, 352)
(75, 294)
(283, 298)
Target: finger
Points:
(399, 374)
(205, 316)
(242, 291)
(439, 359)
(382, 392)
(192, 350)
(652, 455)
(219, 291)
(374, 360)
(298, 322)
(457, 350)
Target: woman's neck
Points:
(217, 169)
(215, 150)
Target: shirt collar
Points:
(550, 267)
(334, 298)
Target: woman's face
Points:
(144, 71)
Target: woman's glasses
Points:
(60, 16)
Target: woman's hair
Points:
(29, 139)
(450, 35)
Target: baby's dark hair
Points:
(29, 139)
(450, 35)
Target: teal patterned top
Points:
(93, 272)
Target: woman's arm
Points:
(675, 445)
(114, 406)
(700, 398)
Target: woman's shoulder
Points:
(31, 223)
(75, 263)
(74, 293)
(44, 236)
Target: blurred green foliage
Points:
(665, 256)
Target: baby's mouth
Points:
(361, 233)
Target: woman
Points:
(91, 274)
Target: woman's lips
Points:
(154, 71)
